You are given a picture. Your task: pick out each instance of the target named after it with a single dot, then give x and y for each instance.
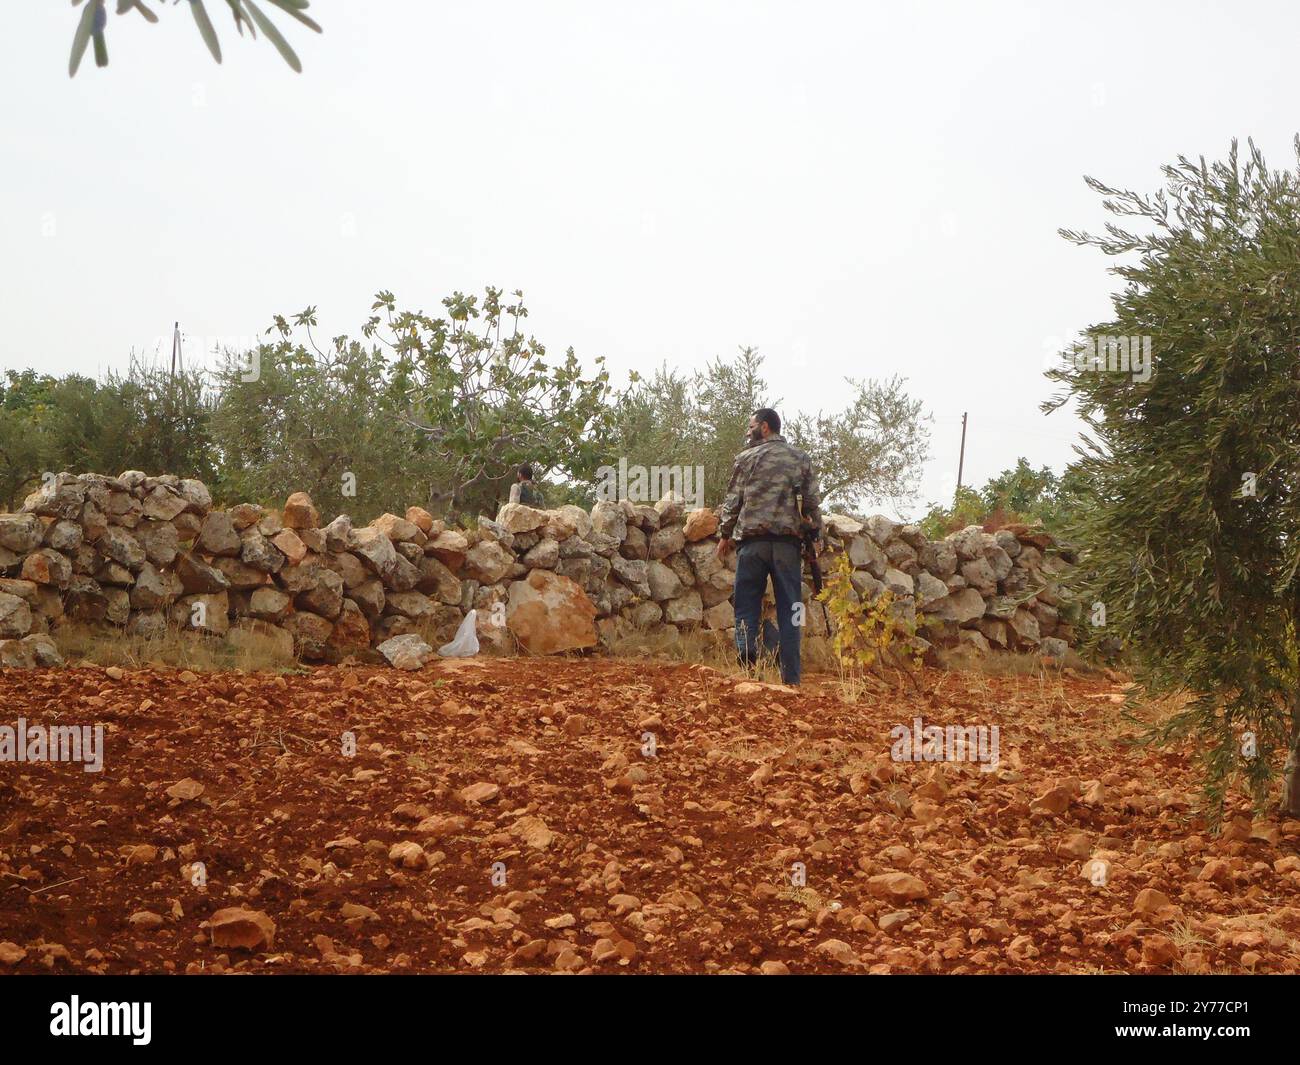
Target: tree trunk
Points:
(1291, 772)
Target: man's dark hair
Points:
(526, 472)
(767, 414)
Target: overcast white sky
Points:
(857, 189)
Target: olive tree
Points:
(1191, 539)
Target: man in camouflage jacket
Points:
(772, 499)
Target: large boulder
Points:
(153, 588)
(64, 535)
(291, 545)
(632, 574)
(198, 500)
(686, 610)
(218, 535)
(979, 575)
(405, 652)
(929, 590)
(959, 607)
(609, 518)
(450, 548)
(245, 515)
(324, 596)
(197, 577)
(21, 533)
(351, 629)
(239, 574)
(487, 562)
(15, 616)
(397, 529)
(64, 497)
(257, 551)
(939, 557)
(720, 616)
(545, 554)
(337, 533)
(970, 542)
(881, 529)
(415, 605)
(375, 550)
(268, 603)
(841, 526)
(160, 541)
(1025, 626)
(548, 613)
(310, 632)
(865, 553)
(664, 583)
(122, 547)
(670, 508)
(665, 542)
(572, 517)
(29, 652)
(164, 503)
(421, 519)
(47, 567)
(438, 581)
(637, 545)
(300, 512)
(700, 524)
(518, 518)
(708, 569)
(370, 597)
(207, 613)
(85, 599)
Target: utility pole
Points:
(961, 461)
(176, 350)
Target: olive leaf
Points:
(93, 21)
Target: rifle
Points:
(808, 542)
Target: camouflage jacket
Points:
(767, 480)
(528, 494)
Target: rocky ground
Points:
(510, 815)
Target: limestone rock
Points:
(241, 928)
(548, 613)
(487, 562)
(406, 652)
(700, 523)
(300, 512)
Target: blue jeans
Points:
(755, 562)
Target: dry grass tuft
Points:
(105, 645)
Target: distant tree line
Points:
(1018, 494)
(438, 411)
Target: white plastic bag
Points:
(465, 643)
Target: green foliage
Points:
(324, 422)
(968, 508)
(866, 636)
(873, 449)
(144, 420)
(93, 22)
(1019, 494)
(700, 419)
(485, 397)
(1197, 576)
(435, 410)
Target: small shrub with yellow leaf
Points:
(866, 637)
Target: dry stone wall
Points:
(146, 553)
